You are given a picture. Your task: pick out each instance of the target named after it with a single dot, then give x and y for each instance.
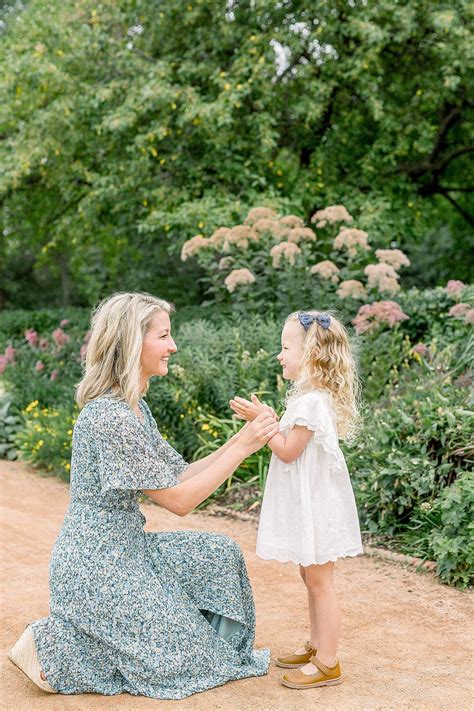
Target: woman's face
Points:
(157, 346)
(291, 352)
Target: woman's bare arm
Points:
(193, 490)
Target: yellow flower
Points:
(40, 444)
(69, 432)
(205, 427)
(31, 406)
(67, 466)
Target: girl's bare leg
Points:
(312, 617)
(319, 580)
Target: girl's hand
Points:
(247, 410)
(254, 436)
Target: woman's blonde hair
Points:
(328, 362)
(118, 326)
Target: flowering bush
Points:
(277, 263)
(45, 439)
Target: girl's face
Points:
(291, 352)
(157, 346)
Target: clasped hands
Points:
(254, 410)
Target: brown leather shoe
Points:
(293, 661)
(325, 676)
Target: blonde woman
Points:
(308, 514)
(162, 615)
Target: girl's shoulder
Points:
(317, 395)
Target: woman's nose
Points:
(172, 346)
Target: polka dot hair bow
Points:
(307, 320)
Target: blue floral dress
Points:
(159, 614)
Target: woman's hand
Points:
(248, 410)
(256, 434)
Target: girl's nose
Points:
(279, 356)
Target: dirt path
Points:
(405, 640)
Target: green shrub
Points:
(46, 438)
(452, 544)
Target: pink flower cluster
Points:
(300, 234)
(288, 250)
(260, 213)
(421, 349)
(352, 288)
(370, 316)
(59, 337)
(326, 270)
(7, 357)
(461, 310)
(238, 277)
(192, 246)
(350, 239)
(331, 214)
(395, 257)
(454, 287)
(382, 277)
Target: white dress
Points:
(308, 510)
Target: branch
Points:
(454, 189)
(465, 214)
(451, 156)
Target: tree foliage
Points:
(129, 126)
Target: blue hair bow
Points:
(307, 320)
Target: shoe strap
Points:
(322, 667)
(308, 647)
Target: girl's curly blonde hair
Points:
(328, 362)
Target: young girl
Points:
(308, 513)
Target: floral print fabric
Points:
(133, 611)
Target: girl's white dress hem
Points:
(309, 515)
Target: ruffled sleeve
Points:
(128, 458)
(313, 410)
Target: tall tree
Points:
(128, 126)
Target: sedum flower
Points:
(218, 237)
(59, 337)
(272, 226)
(469, 317)
(370, 316)
(454, 287)
(3, 363)
(326, 269)
(300, 234)
(225, 263)
(383, 277)
(10, 354)
(54, 375)
(240, 236)
(291, 221)
(395, 257)
(350, 239)
(288, 250)
(260, 213)
(31, 337)
(459, 310)
(39, 366)
(192, 246)
(331, 214)
(421, 349)
(43, 344)
(238, 277)
(352, 288)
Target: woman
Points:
(159, 614)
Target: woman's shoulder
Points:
(105, 409)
